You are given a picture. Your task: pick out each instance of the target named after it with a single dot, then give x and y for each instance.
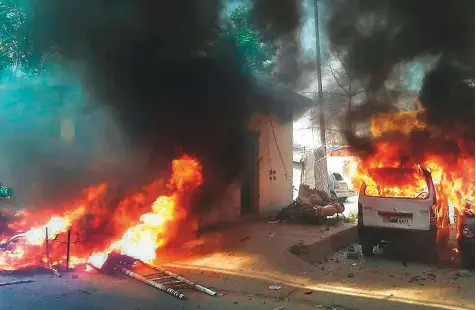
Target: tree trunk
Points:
(320, 171)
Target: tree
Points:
(16, 47)
(347, 86)
(258, 53)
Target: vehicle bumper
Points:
(342, 193)
(377, 234)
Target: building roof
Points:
(277, 99)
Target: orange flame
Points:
(453, 179)
(139, 240)
(142, 240)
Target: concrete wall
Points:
(275, 150)
(276, 192)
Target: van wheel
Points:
(333, 197)
(367, 249)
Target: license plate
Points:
(400, 220)
(403, 221)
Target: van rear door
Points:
(403, 213)
(380, 209)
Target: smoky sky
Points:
(379, 34)
(147, 62)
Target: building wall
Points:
(274, 193)
(276, 163)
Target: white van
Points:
(383, 218)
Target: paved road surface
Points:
(243, 265)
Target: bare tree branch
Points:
(343, 66)
(337, 80)
(358, 92)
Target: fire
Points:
(153, 229)
(404, 140)
(142, 240)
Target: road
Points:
(242, 264)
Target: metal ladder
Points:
(175, 281)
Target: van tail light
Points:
(360, 215)
(336, 186)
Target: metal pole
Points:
(159, 286)
(68, 248)
(15, 282)
(47, 250)
(186, 281)
(320, 99)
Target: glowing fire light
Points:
(139, 240)
(452, 175)
(142, 240)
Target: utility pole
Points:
(320, 155)
(320, 99)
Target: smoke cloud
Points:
(378, 35)
(144, 62)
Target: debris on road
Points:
(15, 282)
(279, 308)
(275, 287)
(310, 204)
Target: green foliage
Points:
(16, 47)
(258, 54)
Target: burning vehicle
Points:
(406, 212)
(409, 177)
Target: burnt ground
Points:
(241, 263)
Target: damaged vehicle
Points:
(408, 216)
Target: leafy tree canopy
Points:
(16, 52)
(257, 53)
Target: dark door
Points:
(250, 181)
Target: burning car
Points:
(399, 203)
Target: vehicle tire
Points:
(333, 197)
(342, 200)
(367, 248)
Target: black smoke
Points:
(151, 63)
(380, 34)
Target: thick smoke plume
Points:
(377, 35)
(149, 63)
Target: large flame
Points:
(141, 237)
(142, 240)
(395, 147)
